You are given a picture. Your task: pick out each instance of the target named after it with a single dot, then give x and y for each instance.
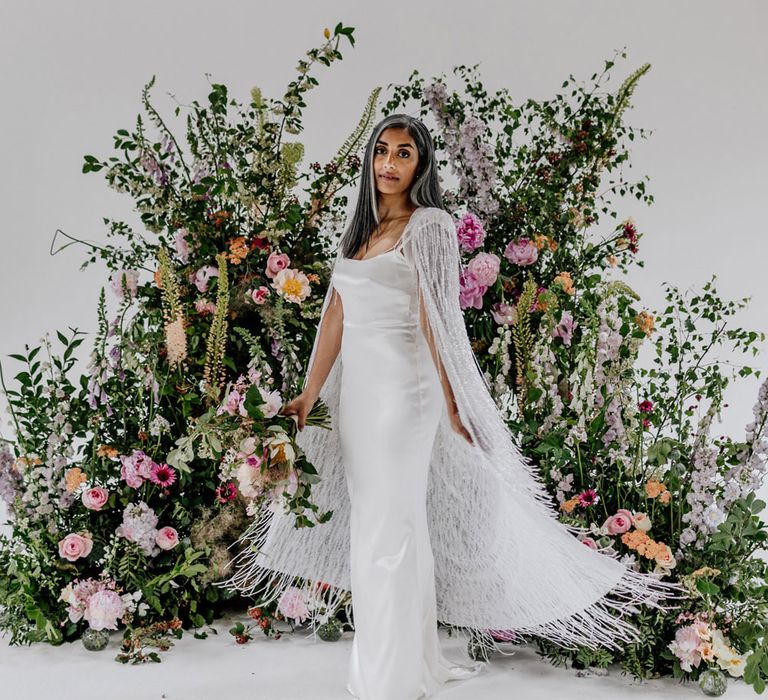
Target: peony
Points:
(95, 498)
(275, 263)
(74, 546)
(292, 284)
(470, 291)
(484, 267)
(686, 647)
(620, 522)
(104, 609)
(272, 402)
(201, 277)
(166, 538)
(293, 604)
(504, 313)
(521, 252)
(470, 233)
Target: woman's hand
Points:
(458, 426)
(300, 407)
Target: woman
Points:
(437, 515)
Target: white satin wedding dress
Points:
(503, 561)
(390, 405)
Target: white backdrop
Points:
(72, 75)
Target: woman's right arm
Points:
(328, 346)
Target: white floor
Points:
(291, 668)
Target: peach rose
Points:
(641, 521)
(166, 538)
(95, 498)
(74, 546)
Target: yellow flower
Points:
(292, 284)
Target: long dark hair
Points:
(424, 191)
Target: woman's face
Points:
(395, 160)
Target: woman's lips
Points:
(388, 177)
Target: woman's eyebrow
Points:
(402, 145)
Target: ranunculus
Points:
(620, 522)
(484, 267)
(167, 538)
(504, 313)
(470, 291)
(95, 498)
(104, 609)
(74, 546)
(275, 263)
(259, 295)
(641, 521)
(521, 252)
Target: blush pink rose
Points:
(259, 295)
(485, 268)
(589, 542)
(275, 263)
(521, 252)
(166, 538)
(95, 498)
(74, 546)
(618, 523)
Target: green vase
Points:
(330, 631)
(95, 640)
(713, 682)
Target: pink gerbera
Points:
(588, 498)
(162, 475)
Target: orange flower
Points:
(106, 451)
(570, 504)
(565, 281)
(238, 250)
(73, 478)
(665, 497)
(158, 279)
(644, 322)
(654, 487)
(612, 260)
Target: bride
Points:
(437, 516)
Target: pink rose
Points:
(521, 252)
(259, 295)
(589, 542)
(620, 522)
(276, 262)
(95, 498)
(484, 267)
(75, 546)
(166, 538)
(104, 609)
(470, 291)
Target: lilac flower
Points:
(140, 526)
(564, 329)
